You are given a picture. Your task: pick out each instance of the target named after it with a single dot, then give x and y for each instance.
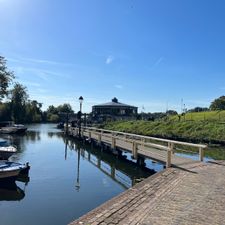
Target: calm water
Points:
(67, 179)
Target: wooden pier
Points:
(141, 147)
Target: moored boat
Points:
(9, 127)
(3, 142)
(7, 151)
(12, 169)
(8, 130)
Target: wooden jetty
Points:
(141, 147)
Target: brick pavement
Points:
(194, 194)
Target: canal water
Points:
(66, 180)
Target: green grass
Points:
(218, 116)
(195, 130)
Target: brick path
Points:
(177, 196)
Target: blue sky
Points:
(147, 53)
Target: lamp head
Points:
(81, 99)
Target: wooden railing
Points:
(137, 142)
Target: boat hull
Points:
(9, 174)
(6, 152)
(12, 170)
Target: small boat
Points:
(12, 169)
(8, 130)
(20, 128)
(9, 127)
(60, 125)
(3, 142)
(7, 151)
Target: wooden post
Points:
(143, 141)
(89, 135)
(169, 156)
(100, 138)
(134, 149)
(113, 144)
(171, 147)
(201, 154)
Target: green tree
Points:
(19, 97)
(5, 111)
(218, 104)
(6, 77)
(65, 108)
(53, 118)
(33, 111)
(52, 110)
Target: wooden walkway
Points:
(161, 150)
(194, 195)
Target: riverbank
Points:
(191, 131)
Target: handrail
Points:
(150, 138)
(135, 140)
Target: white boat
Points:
(8, 130)
(7, 151)
(12, 169)
(9, 127)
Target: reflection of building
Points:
(114, 110)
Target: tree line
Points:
(15, 103)
(18, 107)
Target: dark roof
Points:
(114, 104)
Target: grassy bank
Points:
(195, 131)
(217, 116)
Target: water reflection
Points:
(9, 191)
(123, 171)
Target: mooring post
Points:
(113, 144)
(100, 138)
(169, 156)
(201, 154)
(143, 141)
(171, 147)
(134, 149)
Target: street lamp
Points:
(81, 99)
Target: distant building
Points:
(114, 110)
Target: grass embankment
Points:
(217, 116)
(194, 131)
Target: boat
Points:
(8, 130)
(60, 125)
(9, 127)
(12, 169)
(20, 128)
(3, 142)
(7, 151)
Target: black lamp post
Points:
(81, 99)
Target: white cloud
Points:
(118, 86)
(157, 63)
(109, 59)
(38, 61)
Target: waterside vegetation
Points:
(208, 127)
